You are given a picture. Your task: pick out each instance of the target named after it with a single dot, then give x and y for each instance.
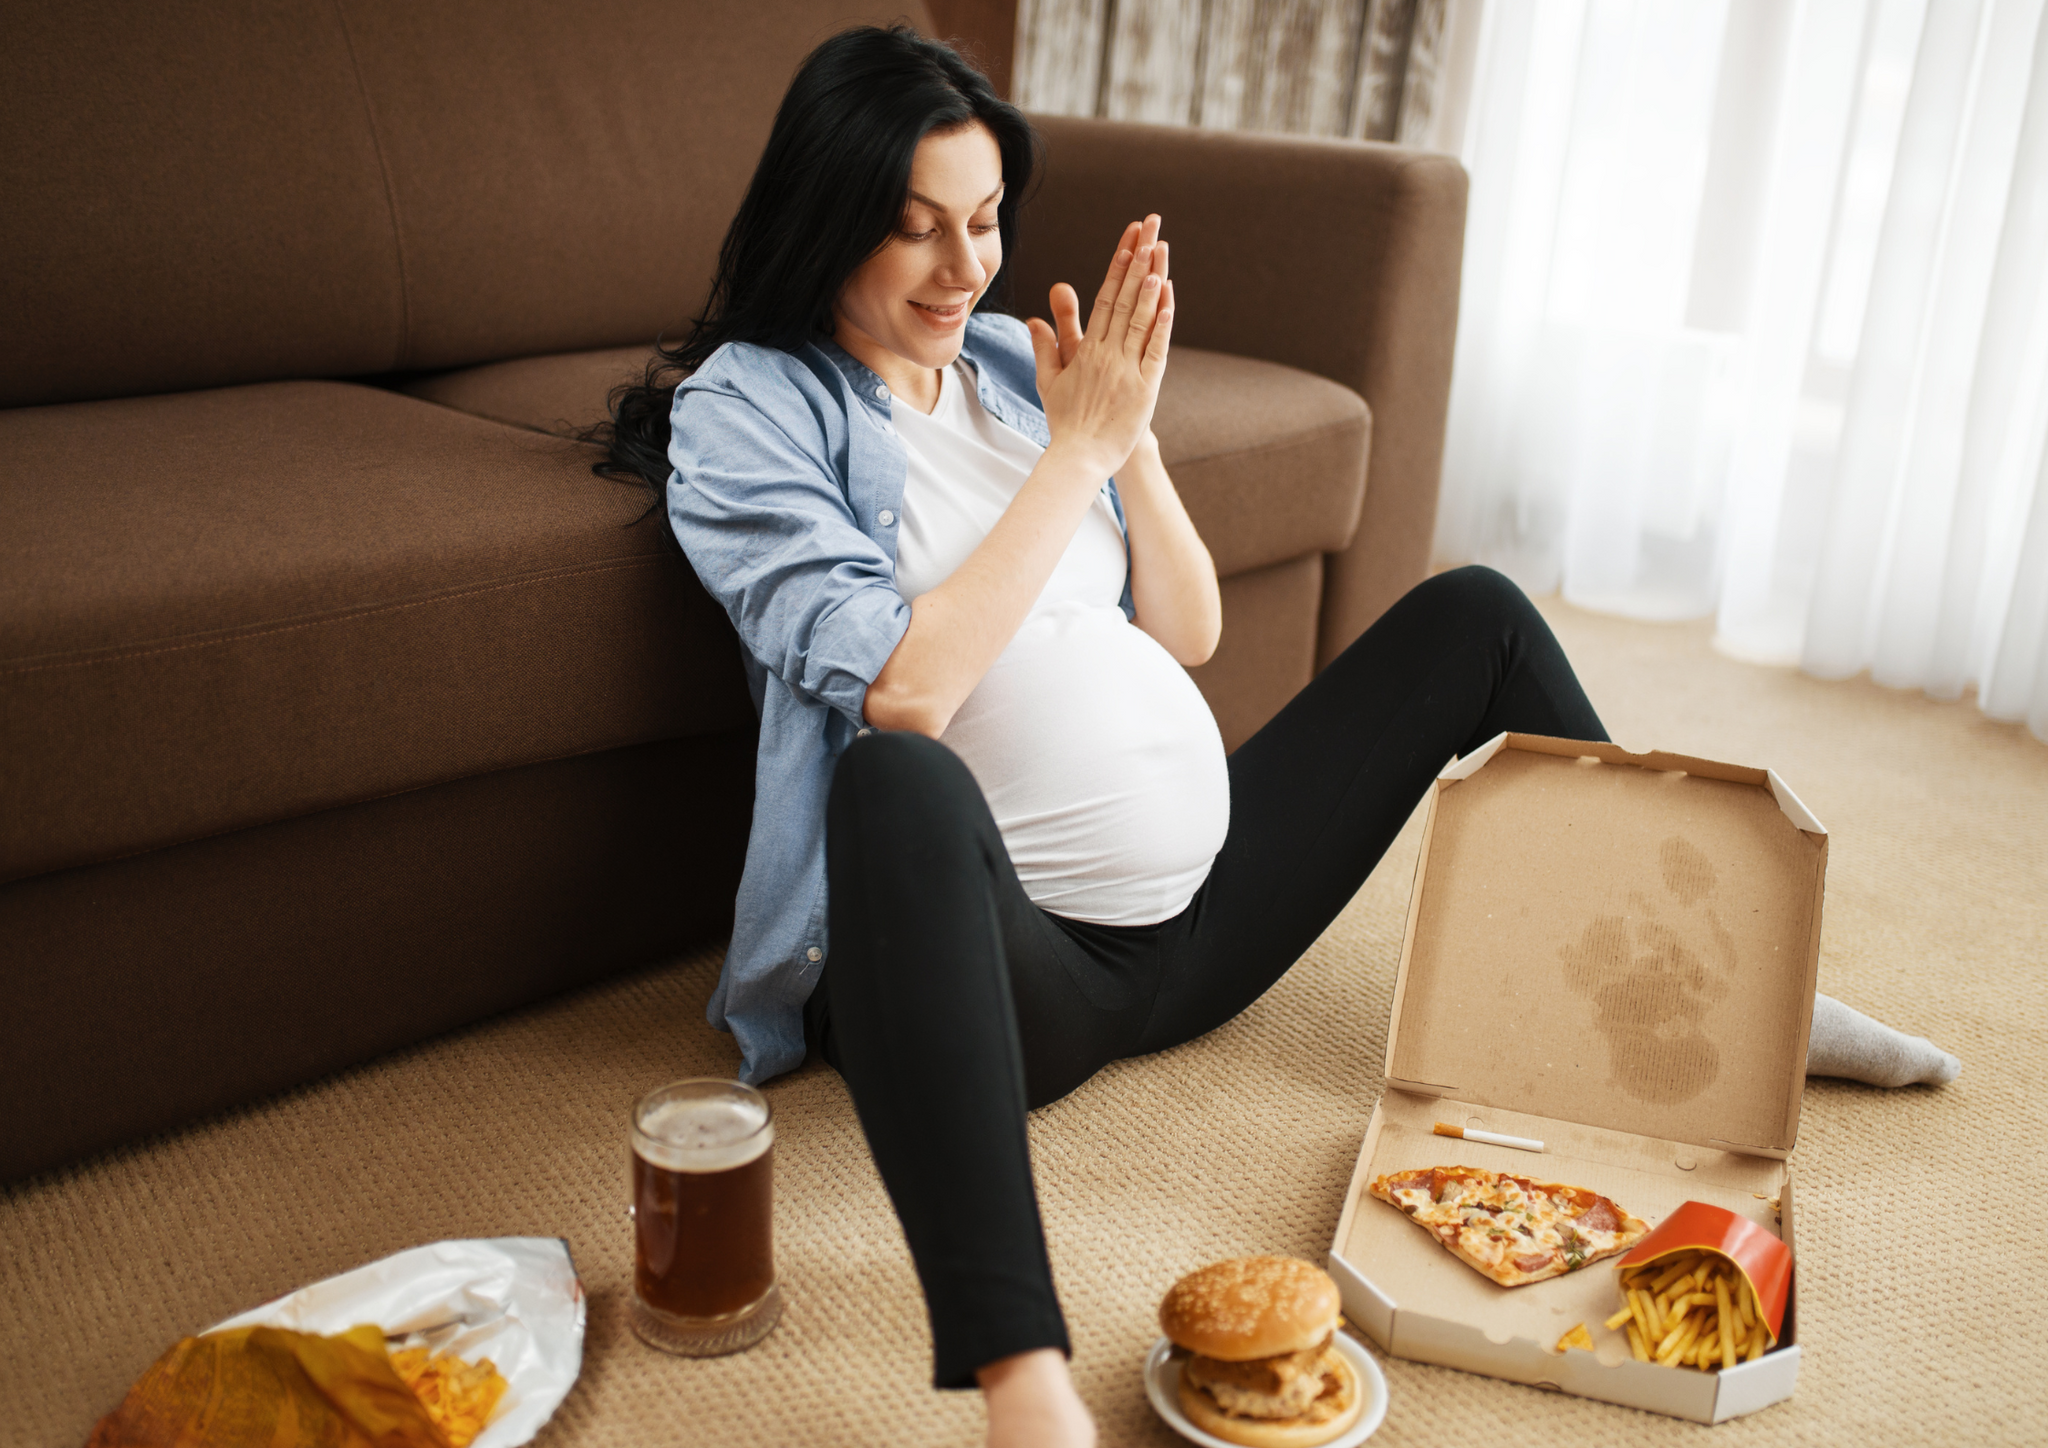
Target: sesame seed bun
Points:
(1251, 1307)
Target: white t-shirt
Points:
(1097, 754)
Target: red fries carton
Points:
(1758, 1255)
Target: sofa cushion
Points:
(1270, 460)
(227, 608)
(231, 191)
(194, 197)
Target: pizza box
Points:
(1614, 954)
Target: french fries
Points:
(1694, 1310)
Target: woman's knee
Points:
(1478, 590)
(896, 777)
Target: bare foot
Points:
(1032, 1403)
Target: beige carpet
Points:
(1921, 1315)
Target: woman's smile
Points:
(943, 316)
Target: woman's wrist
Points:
(1083, 458)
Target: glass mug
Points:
(703, 1218)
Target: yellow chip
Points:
(458, 1396)
(1577, 1337)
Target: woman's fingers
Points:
(1128, 245)
(1113, 279)
(1105, 300)
(1153, 365)
(1127, 300)
(1143, 313)
(1066, 319)
(1140, 333)
(1045, 350)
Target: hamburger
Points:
(1263, 1367)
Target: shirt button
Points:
(862, 733)
(887, 517)
(881, 393)
(814, 955)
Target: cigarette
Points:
(1491, 1138)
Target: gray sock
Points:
(1846, 1042)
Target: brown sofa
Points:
(335, 714)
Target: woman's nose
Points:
(960, 266)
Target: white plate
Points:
(1162, 1386)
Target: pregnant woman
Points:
(996, 842)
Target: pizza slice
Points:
(1509, 1228)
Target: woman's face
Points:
(912, 298)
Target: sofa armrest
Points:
(1337, 257)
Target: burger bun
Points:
(1334, 1415)
(1251, 1307)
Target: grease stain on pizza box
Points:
(1614, 953)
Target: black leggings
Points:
(951, 1004)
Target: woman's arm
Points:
(1173, 579)
(1098, 404)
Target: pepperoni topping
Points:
(1533, 1261)
(1599, 1217)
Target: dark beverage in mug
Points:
(703, 1216)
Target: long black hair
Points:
(829, 192)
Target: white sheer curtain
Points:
(1755, 324)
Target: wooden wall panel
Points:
(1156, 61)
(1369, 69)
(1281, 65)
(1059, 55)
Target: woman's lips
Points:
(943, 318)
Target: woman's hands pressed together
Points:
(1099, 385)
(1173, 579)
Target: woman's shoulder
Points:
(757, 373)
(1001, 346)
(746, 393)
(999, 332)
(749, 404)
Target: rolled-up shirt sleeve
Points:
(759, 510)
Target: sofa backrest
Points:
(225, 191)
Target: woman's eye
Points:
(929, 233)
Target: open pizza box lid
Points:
(1613, 953)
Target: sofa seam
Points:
(306, 814)
(390, 190)
(1296, 440)
(232, 636)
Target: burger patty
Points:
(1269, 1387)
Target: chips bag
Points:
(266, 1387)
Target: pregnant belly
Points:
(1101, 764)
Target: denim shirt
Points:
(786, 494)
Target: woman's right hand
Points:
(1099, 387)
